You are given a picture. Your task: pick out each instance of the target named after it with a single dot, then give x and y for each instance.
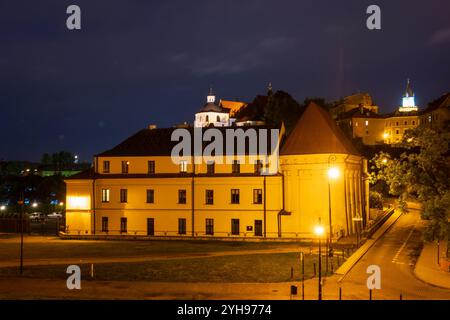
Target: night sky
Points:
(135, 63)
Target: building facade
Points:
(136, 188)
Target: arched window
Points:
(218, 119)
(207, 118)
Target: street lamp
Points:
(2, 208)
(34, 205)
(319, 231)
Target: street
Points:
(395, 253)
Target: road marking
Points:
(403, 246)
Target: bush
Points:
(375, 200)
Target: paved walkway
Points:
(428, 270)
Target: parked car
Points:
(54, 215)
(36, 216)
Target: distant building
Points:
(437, 113)
(356, 101)
(364, 121)
(408, 101)
(212, 114)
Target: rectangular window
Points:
(236, 167)
(258, 228)
(210, 167)
(125, 165)
(235, 196)
(123, 195)
(257, 196)
(104, 224)
(150, 226)
(105, 195)
(182, 196)
(151, 167)
(123, 225)
(181, 226)
(105, 166)
(210, 227)
(235, 227)
(183, 166)
(209, 194)
(150, 196)
(258, 166)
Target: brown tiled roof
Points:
(157, 142)
(83, 175)
(316, 133)
(441, 102)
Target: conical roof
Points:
(316, 133)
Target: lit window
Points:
(183, 166)
(257, 196)
(105, 195)
(367, 123)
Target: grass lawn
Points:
(53, 247)
(242, 268)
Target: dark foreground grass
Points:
(44, 248)
(240, 268)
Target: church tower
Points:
(408, 101)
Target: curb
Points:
(345, 268)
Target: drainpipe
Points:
(282, 204)
(193, 195)
(93, 194)
(345, 197)
(265, 206)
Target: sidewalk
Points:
(428, 270)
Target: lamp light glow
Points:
(333, 173)
(319, 230)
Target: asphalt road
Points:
(395, 253)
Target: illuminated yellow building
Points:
(135, 189)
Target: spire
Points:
(269, 89)
(408, 92)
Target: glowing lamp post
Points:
(319, 231)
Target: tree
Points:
(422, 172)
(281, 107)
